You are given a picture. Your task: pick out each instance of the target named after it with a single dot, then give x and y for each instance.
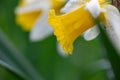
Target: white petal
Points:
(36, 5)
(30, 1)
(70, 6)
(42, 29)
(94, 8)
(113, 25)
(91, 33)
(60, 51)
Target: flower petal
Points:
(94, 8)
(41, 29)
(34, 6)
(113, 25)
(91, 33)
(71, 5)
(60, 51)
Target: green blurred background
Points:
(42, 57)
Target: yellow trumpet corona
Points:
(69, 26)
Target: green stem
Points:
(110, 52)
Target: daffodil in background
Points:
(32, 16)
(79, 19)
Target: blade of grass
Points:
(12, 69)
(20, 61)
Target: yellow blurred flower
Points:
(29, 11)
(32, 16)
(77, 20)
(26, 16)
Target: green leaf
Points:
(20, 65)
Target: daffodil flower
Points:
(80, 19)
(32, 16)
(74, 4)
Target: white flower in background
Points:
(82, 15)
(32, 16)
